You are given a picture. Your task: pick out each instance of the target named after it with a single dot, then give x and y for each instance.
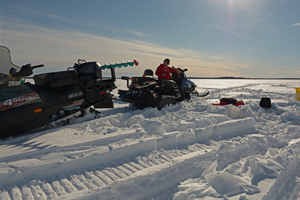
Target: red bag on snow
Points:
(227, 101)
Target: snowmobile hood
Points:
(8, 69)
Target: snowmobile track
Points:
(144, 169)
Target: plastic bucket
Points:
(298, 94)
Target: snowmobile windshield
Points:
(8, 69)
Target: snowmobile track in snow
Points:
(138, 173)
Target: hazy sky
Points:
(249, 38)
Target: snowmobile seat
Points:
(168, 87)
(167, 83)
(148, 84)
(56, 79)
(140, 81)
(88, 70)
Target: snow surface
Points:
(188, 151)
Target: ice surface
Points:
(186, 151)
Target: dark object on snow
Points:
(265, 102)
(227, 101)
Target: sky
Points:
(211, 38)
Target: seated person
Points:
(163, 70)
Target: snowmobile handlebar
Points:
(125, 78)
(37, 66)
(182, 70)
(26, 70)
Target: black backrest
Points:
(89, 68)
(148, 72)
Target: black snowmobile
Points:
(25, 106)
(188, 86)
(146, 91)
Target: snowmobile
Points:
(188, 86)
(146, 91)
(53, 96)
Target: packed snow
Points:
(189, 151)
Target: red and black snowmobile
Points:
(53, 96)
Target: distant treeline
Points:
(231, 77)
(223, 77)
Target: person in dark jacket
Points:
(163, 71)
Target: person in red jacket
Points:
(163, 70)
